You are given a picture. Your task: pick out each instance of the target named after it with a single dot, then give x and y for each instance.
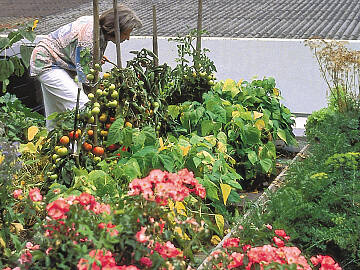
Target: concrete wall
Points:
(293, 66)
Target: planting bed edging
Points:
(278, 181)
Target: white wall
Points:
(293, 66)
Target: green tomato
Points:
(95, 111)
(97, 104)
(91, 96)
(115, 94)
(90, 77)
(112, 87)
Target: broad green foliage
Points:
(13, 64)
(250, 118)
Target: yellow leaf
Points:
(2, 158)
(260, 124)
(221, 147)
(257, 115)
(225, 189)
(161, 143)
(276, 91)
(18, 227)
(171, 205)
(215, 240)
(180, 208)
(39, 142)
(239, 83)
(231, 86)
(2, 242)
(185, 149)
(32, 131)
(27, 148)
(211, 139)
(235, 114)
(220, 222)
(184, 236)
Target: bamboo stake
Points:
(199, 28)
(155, 35)
(117, 34)
(96, 56)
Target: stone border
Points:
(278, 181)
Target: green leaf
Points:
(4, 41)
(18, 66)
(220, 222)
(251, 135)
(7, 68)
(25, 52)
(167, 161)
(115, 132)
(252, 157)
(132, 169)
(206, 127)
(230, 86)
(28, 34)
(266, 164)
(105, 185)
(173, 111)
(281, 134)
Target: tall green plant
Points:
(13, 64)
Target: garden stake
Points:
(76, 155)
(199, 29)
(155, 41)
(117, 35)
(96, 55)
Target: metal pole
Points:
(117, 34)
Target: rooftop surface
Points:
(294, 19)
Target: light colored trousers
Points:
(59, 93)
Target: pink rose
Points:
(35, 195)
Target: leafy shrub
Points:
(17, 118)
(319, 204)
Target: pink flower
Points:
(57, 209)
(278, 241)
(25, 257)
(85, 199)
(30, 246)
(17, 193)
(167, 250)
(268, 226)
(48, 250)
(326, 263)
(35, 195)
(236, 260)
(282, 233)
(246, 247)
(141, 237)
(101, 225)
(146, 261)
(231, 242)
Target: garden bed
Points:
(259, 198)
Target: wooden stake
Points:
(155, 41)
(199, 27)
(117, 34)
(96, 55)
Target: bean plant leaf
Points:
(7, 68)
(29, 35)
(252, 157)
(18, 66)
(225, 189)
(115, 132)
(266, 164)
(4, 41)
(230, 86)
(260, 124)
(281, 134)
(220, 222)
(105, 185)
(173, 111)
(25, 52)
